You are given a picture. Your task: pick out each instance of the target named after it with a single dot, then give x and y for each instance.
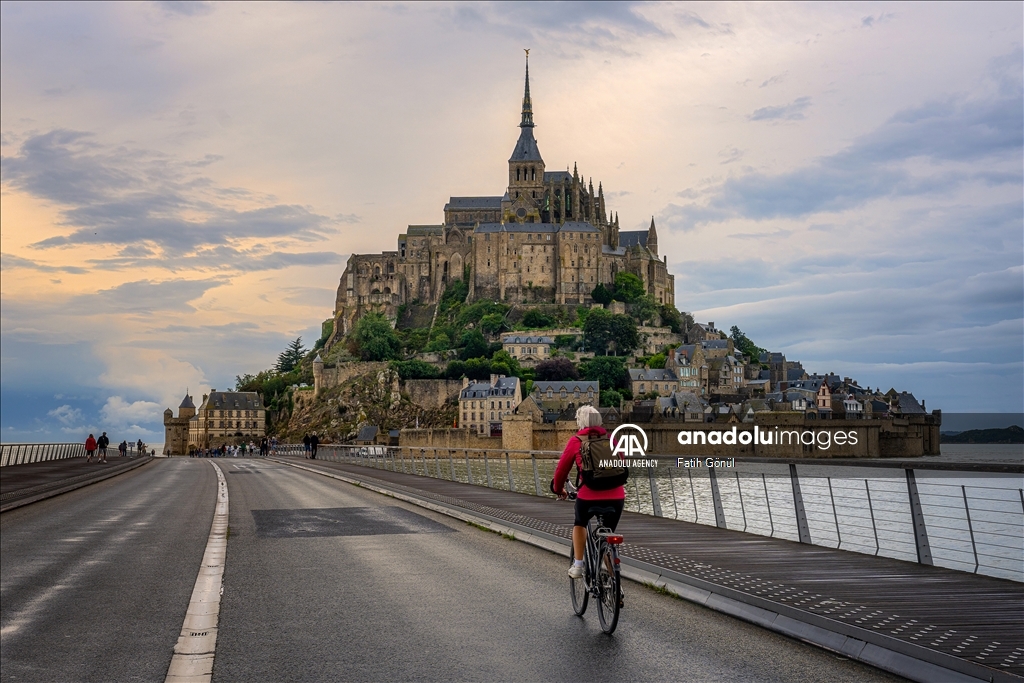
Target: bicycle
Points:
(601, 578)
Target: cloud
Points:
(119, 413)
(189, 8)
(127, 196)
(794, 111)
(11, 262)
(774, 80)
(145, 296)
(66, 415)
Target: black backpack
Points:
(601, 471)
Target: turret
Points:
(652, 238)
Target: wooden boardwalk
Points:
(979, 619)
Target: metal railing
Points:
(23, 453)
(968, 520)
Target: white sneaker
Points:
(576, 572)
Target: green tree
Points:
(624, 333)
(326, 328)
(374, 338)
(597, 330)
(493, 323)
(657, 361)
(503, 357)
(454, 294)
(473, 345)
(628, 287)
(610, 398)
(644, 309)
(536, 319)
(439, 342)
(745, 346)
(555, 370)
(601, 295)
(671, 319)
(609, 371)
(291, 356)
(415, 369)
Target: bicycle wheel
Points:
(578, 591)
(608, 589)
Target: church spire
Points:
(527, 121)
(652, 238)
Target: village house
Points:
(567, 394)
(528, 350)
(649, 380)
(482, 405)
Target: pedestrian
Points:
(102, 444)
(123, 448)
(90, 448)
(139, 444)
(305, 445)
(314, 441)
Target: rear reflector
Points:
(614, 540)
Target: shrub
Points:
(555, 370)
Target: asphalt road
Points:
(325, 581)
(94, 583)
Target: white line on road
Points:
(193, 654)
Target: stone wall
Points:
(325, 377)
(446, 438)
(657, 338)
(432, 393)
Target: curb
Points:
(43, 495)
(889, 654)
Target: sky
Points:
(182, 183)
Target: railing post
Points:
(437, 464)
(451, 464)
(536, 475)
(970, 527)
(672, 488)
(798, 505)
(693, 496)
(469, 472)
(871, 511)
(508, 466)
(835, 517)
(655, 500)
(487, 469)
(924, 552)
(768, 504)
(742, 509)
(717, 498)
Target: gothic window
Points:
(517, 176)
(575, 248)
(533, 176)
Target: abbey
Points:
(548, 239)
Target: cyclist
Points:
(588, 421)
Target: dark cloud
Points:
(591, 23)
(124, 196)
(144, 296)
(794, 111)
(11, 262)
(218, 258)
(964, 141)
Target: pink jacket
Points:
(90, 444)
(570, 457)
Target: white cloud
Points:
(117, 412)
(67, 415)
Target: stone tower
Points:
(525, 197)
(652, 238)
(176, 428)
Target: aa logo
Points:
(628, 445)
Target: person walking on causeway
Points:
(90, 448)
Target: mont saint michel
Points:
(548, 239)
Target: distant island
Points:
(1011, 434)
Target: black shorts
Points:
(585, 509)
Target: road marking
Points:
(193, 654)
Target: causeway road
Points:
(327, 581)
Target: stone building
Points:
(528, 349)
(482, 405)
(549, 238)
(563, 395)
(227, 417)
(176, 428)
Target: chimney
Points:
(465, 382)
(711, 324)
(494, 380)
(205, 396)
